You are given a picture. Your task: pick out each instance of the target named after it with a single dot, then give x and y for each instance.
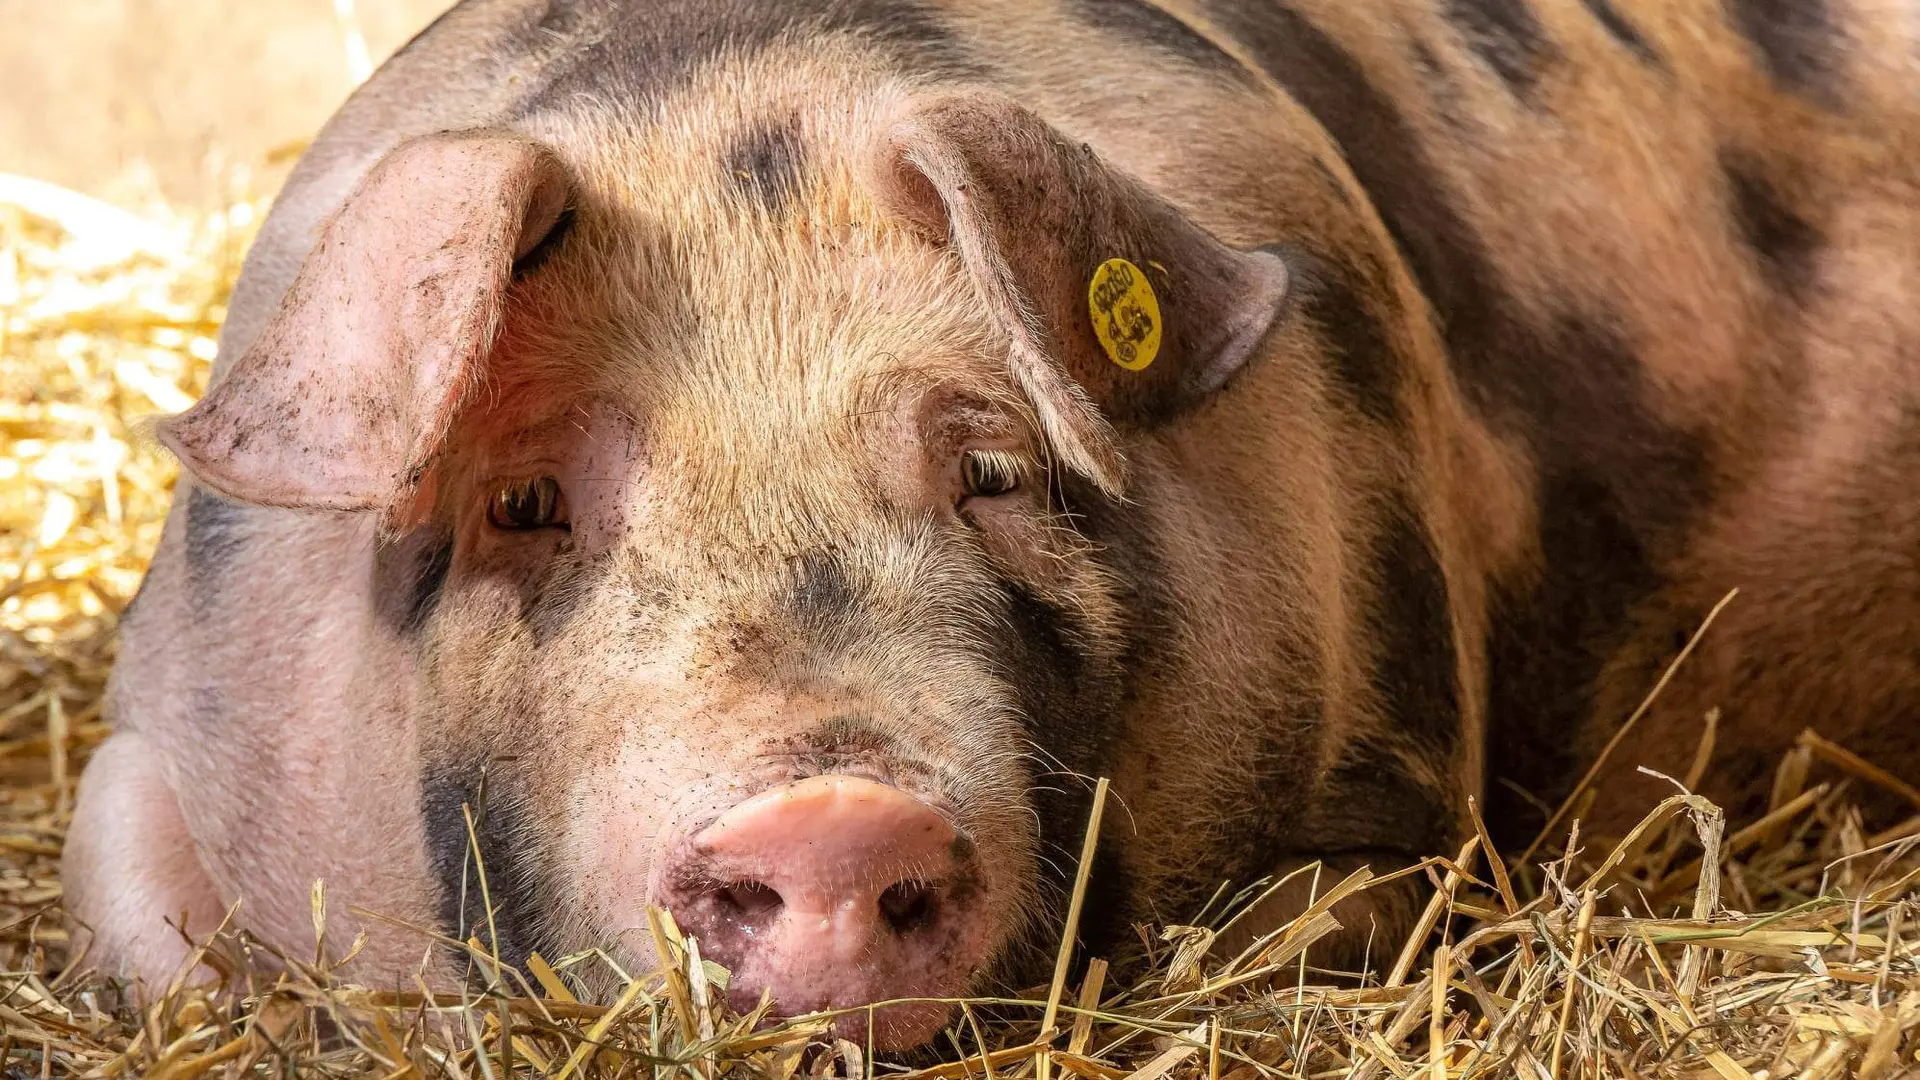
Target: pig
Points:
(765, 460)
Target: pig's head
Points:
(738, 521)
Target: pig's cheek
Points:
(616, 864)
(601, 513)
(1022, 538)
(593, 534)
(605, 482)
(625, 811)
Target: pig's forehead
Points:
(784, 370)
(782, 130)
(780, 339)
(730, 271)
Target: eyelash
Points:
(526, 505)
(992, 473)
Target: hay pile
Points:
(1793, 954)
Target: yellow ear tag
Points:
(1126, 315)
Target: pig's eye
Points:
(527, 504)
(987, 473)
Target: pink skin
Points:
(130, 787)
(835, 891)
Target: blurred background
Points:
(133, 100)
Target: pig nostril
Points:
(907, 906)
(750, 898)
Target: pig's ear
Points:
(343, 400)
(1122, 310)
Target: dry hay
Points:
(1795, 956)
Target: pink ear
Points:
(345, 397)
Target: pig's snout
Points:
(833, 892)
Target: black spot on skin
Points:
(539, 253)
(1618, 490)
(1369, 803)
(1074, 693)
(822, 595)
(1368, 810)
(1416, 669)
(1072, 709)
(502, 836)
(1624, 32)
(1142, 23)
(1798, 43)
(1043, 659)
(216, 529)
(1784, 242)
(1107, 916)
(408, 576)
(766, 165)
(635, 52)
(1091, 690)
(1508, 37)
(1358, 354)
(1561, 630)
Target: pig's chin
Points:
(805, 985)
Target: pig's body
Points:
(1669, 258)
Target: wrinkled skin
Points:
(633, 460)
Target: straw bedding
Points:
(1792, 953)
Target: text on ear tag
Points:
(1126, 314)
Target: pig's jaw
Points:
(836, 892)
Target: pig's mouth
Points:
(836, 892)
